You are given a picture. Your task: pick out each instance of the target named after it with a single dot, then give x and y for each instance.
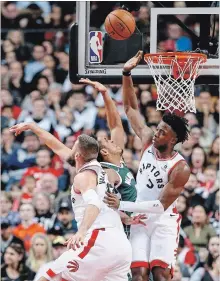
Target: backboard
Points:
(163, 31)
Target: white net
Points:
(175, 81)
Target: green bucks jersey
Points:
(126, 187)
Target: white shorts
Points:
(106, 257)
(156, 243)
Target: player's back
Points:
(107, 217)
(153, 174)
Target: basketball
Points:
(120, 24)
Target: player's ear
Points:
(77, 155)
(104, 152)
(174, 140)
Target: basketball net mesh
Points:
(175, 82)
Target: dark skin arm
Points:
(113, 117)
(131, 103)
(171, 191)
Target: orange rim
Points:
(167, 58)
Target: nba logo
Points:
(95, 47)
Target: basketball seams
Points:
(122, 21)
(115, 30)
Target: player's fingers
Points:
(136, 56)
(141, 222)
(142, 217)
(69, 244)
(109, 200)
(110, 195)
(13, 128)
(78, 242)
(140, 53)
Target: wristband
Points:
(126, 73)
(91, 198)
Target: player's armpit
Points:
(113, 177)
(177, 179)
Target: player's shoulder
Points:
(180, 173)
(84, 176)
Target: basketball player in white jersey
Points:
(161, 177)
(100, 250)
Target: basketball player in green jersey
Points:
(111, 150)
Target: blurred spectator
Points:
(193, 192)
(9, 15)
(198, 160)
(7, 100)
(182, 208)
(42, 85)
(36, 65)
(210, 272)
(41, 114)
(13, 266)
(28, 188)
(22, 50)
(200, 231)
(23, 157)
(27, 228)
(43, 161)
(7, 215)
(58, 248)
(42, 205)
(17, 86)
(48, 183)
(27, 104)
(40, 251)
(84, 115)
(201, 136)
(213, 157)
(45, 6)
(65, 218)
(7, 237)
(8, 147)
(186, 149)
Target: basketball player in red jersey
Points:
(161, 177)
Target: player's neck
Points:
(79, 165)
(116, 160)
(168, 153)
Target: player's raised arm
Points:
(171, 191)
(131, 103)
(53, 143)
(113, 117)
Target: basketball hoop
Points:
(174, 75)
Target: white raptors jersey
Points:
(107, 217)
(153, 175)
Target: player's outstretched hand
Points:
(111, 200)
(133, 62)
(76, 241)
(138, 219)
(98, 86)
(19, 128)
